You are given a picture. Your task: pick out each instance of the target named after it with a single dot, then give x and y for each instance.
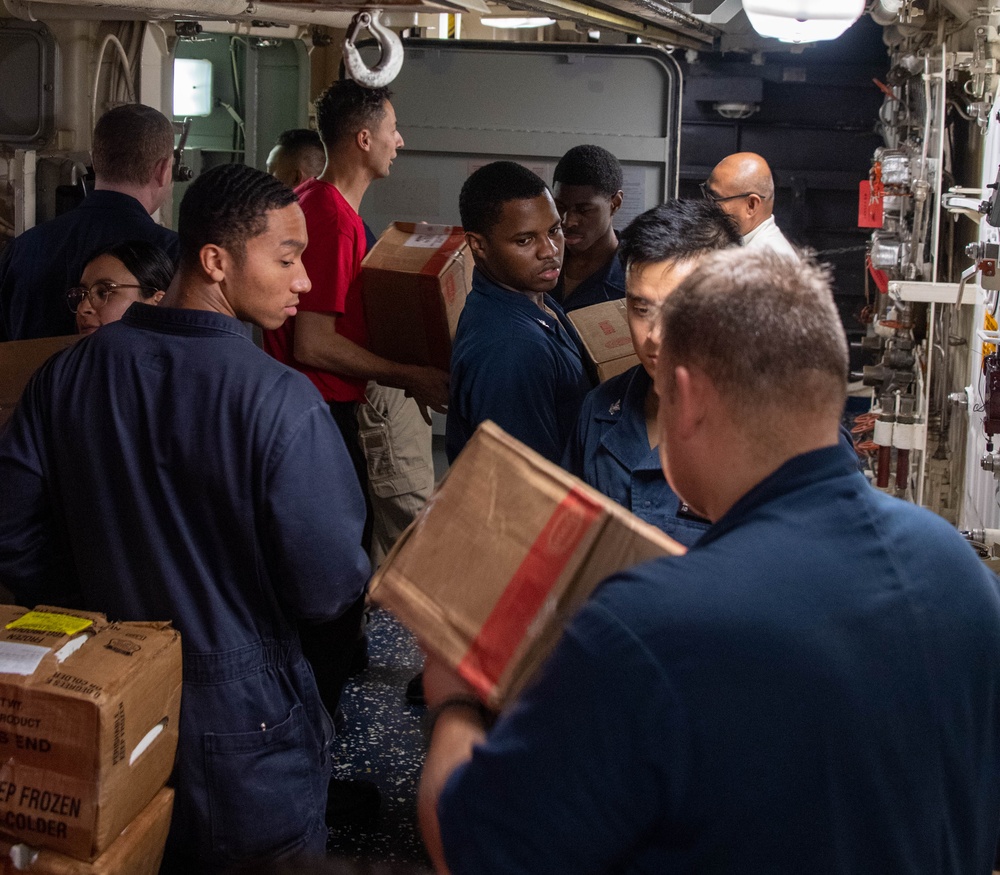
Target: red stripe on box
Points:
(525, 594)
(437, 262)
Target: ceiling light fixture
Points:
(802, 21)
(516, 22)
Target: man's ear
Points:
(616, 201)
(753, 204)
(477, 244)
(364, 139)
(299, 176)
(692, 393)
(163, 172)
(156, 298)
(214, 260)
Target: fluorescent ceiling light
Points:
(511, 22)
(802, 21)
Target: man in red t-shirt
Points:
(326, 338)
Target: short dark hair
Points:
(228, 206)
(147, 262)
(346, 108)
(489, 188)
(128, 143)
(676, 230)
(297, 139)
(764, 328)
(590, 165)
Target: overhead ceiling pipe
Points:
(214, 10)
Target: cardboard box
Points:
(604, 331)
(506, 550)
(414, 283)
(138, 850)
(88, 725)
(19, 359)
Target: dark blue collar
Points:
(174, 320)
(516, 301)
(610, 274)
(797, 473)
(634, 389)
(113, 200)
(627, 439)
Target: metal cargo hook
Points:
(389, 43)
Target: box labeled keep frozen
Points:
(505, 551)
(89, 715)
(138, 849)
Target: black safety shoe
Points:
(359, 658)
(352, 802)
(415, 690)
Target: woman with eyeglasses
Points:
(115, 279)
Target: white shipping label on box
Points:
(426, 238)
(20, 658)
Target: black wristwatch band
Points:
(471, 703)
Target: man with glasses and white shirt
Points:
(742, 186)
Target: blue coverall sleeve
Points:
(574, 457)
(33, 562)
(591, 758)
(314, 514)
(516, 390)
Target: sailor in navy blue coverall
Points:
(165, 468)
(614, 445)
(516, 358)
(587, 188)
(812, 687)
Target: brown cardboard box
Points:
(504, 552)
(138, 849)
(88, 725)
(19, 359)
(414, 283)
(604, 331)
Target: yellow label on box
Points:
(43, 621)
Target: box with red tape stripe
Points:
(505, 551)
(414, 282)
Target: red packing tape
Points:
(524, 595)
(440, 259)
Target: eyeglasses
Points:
(98, 294)
(710, 195)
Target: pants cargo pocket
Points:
(378, 451)
(263, 793)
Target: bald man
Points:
(742, 186)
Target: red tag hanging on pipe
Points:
(870, 213)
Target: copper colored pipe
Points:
(884, 464)
(902, 468)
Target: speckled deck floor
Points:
(383, 743)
